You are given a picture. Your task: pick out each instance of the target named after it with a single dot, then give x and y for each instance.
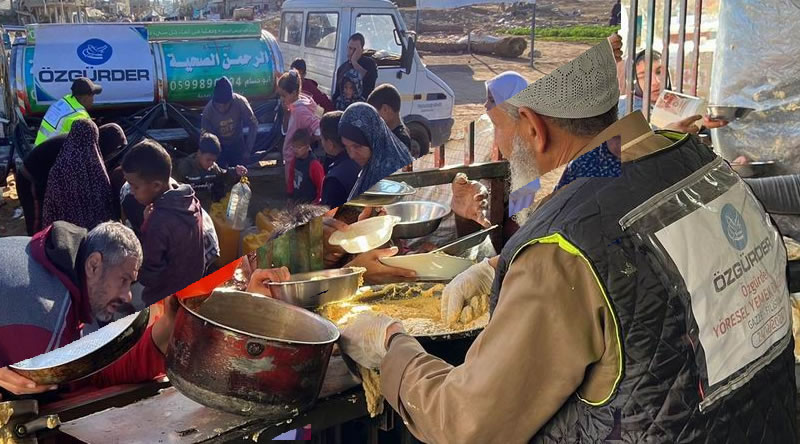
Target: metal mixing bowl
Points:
(417, 218)
(313, 289)
(728, 113)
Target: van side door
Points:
(321, 41)
(383, 37)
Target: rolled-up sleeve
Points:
(552, 330)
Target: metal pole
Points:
(629, 66)
(648, 58)
(681, 44)
(416, 25)
(698, 13)
(533, 30)
(665, 46)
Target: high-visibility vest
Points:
(59, 118)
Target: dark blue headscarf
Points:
(389, 154)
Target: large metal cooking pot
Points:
(88, 355)
(250, 355)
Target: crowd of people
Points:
(106, 242)
(635, 346)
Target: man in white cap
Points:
(592, 338)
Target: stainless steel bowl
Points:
(313, 289)
(417, 218)
(728, 113)
(385, 192)
(755, 169)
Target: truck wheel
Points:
(420, 140)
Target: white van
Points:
(318, 31)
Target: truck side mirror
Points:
(407, 59)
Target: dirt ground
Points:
(467, 73)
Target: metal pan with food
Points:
(417, 305)
(86, 356)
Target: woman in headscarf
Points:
(372, 145)
(32, 176)
(78, 188)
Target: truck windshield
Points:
(379, 33)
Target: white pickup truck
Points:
(319, 30)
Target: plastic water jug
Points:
(238, 205)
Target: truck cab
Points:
(318, 31)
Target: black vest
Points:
(657, 400)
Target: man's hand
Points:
(259, 281)
(148, 211)
(364, 339)
(332, 254)
(713, 124)
(162, 329)
(368, 212)
(470, 200)
(20, 385)
(241, 170)
(476, 281)
(616, 44)
(356, 56)
(377, 271)
(686, 125)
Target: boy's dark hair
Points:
(329, 126)
(385, 94)
(290, 81)
(149, 160)
(209, 144)
(359, 37)
(299, 64)
(301, 135)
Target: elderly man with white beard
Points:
(589, 340)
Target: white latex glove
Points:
(364, 339)
(476, 281)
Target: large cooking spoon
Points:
(464, 243)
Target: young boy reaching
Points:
(386, 99)
(172, 231)
(306, 174)
(200, 170)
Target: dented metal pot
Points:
(250, 355)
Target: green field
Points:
(577, 33)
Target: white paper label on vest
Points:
(56, 112)
(734, 268)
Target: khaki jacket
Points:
(551, 337)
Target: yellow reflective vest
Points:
(59, 118)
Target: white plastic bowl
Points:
(366, 235)
(430, 266)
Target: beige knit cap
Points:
(585, 87)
